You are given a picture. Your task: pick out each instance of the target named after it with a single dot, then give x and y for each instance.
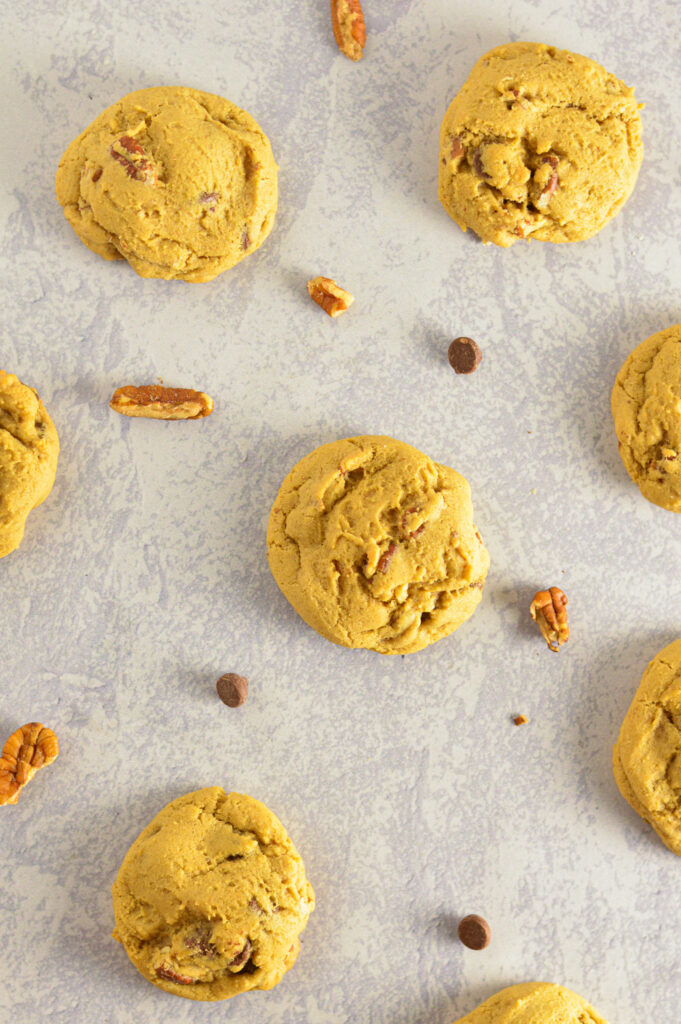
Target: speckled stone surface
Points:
(411, 795)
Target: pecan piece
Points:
(458, 148)
(349, 27)
(168, 974)
(548, 609)
(552, 184)
(386, 557)
(27, 750)
(133, 158)
(478, 165)
(160, 403)
(333, 299)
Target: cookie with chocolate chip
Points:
(180, 183)
(211, 897)
(375, 546)
(538, 143)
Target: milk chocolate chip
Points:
(464, 355)
(474, 932)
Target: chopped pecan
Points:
(160, 403)
(168, 974)
(386, 557)
(458, 149)
(552, 184)
(333, 299)
(27, 750)
(548, 609)
(349, 27)
(128, 152)
(478, 165)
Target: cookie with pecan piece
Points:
(646, 408)
(374, 545)
(29, 449)
(180, 183)
(538, 143)
(647, 756)
(211, 897)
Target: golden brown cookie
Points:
(180, 183)
(534, 1002)
(646, 408)
(539, 143)
(29, 449)
(211, 897)
(374, 545)
(647, 755)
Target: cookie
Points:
(647, 756)
(535, 1002)
(647, 414)
(180, 183)
(374, 545)
(539, 143)
(29, 449)
(211, 897)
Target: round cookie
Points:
(29, 449)
(647, 756)
(180, 183)
(535, 1002)
(211, 897)
(374, 545)
(646, 408)
(539, 143)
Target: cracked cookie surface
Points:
(374, 545)
(647, 755)
(29, 449)
(211, 897)
(180, 183)
(646, 408)
(534, 1002)
(538, 143)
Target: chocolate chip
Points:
(474, 932)
(232, 689)
(464, 355)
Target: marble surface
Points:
(411, 795)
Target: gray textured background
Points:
(411, 795)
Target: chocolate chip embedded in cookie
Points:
(211, 897)
(180, 183)
(539, 143)
(534, 1002)
(374, 545)
(647, 755)
(29, 449)
(647, 415)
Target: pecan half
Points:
(133, 158)
(160, 403)
(349, 27)
(548, 609)
(333, 299)
(27, 750)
